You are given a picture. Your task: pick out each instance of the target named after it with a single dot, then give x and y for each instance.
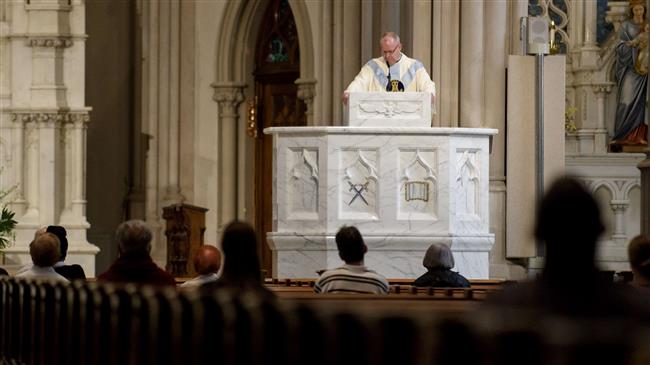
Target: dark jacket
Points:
(71, 272)
(136, 268)
(442, 278)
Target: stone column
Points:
(644, 166)
(589, 52)
(48, 115)
(306, 93)
(619, 207)
(229, 95)
(517, 9)
(471, 63)
(173, 190)
(600, 133)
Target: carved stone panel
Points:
(303, 183)
(467, 185)
(418, 184)
(358, 188)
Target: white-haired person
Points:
(44, 250)
(439, 261)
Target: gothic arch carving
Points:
(238, 33)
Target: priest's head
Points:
(391, 47)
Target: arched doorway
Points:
(277, 66)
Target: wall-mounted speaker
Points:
(538, 35)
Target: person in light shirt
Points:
(207, 261)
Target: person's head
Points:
(438, 256)
(61, 234)
(207, 260)
(133, 237)
(391, 47)
(350, 244)
(239, 246)
(44, 250)
(568, 221)
(637, 9)
(639, 254)
(40, 231)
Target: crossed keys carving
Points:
(358, 191)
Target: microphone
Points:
(387, 64)
(388, 87)
(395, 85)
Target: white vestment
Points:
(374, 76)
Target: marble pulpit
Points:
(403, 187)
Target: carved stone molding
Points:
(617, 13)
(229, 95)
(50, 42)
(306, 93)
(644, 166)
(619, 205)
(51, 117)
(605, 88)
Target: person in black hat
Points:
(70, 272)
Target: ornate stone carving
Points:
(306, 93)
(50, 42)
(617, 13)
(229, 96)
(605, 88)
(51, 116)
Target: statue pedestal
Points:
(404, 188)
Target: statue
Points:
(631, 75)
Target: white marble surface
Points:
(372, 109)
(404, 188)
(300, 256)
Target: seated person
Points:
(70, 272)
(29, 265)
(439, 261)
(207, 261)
(134, 263)
(241, 264)
(639, 254)
(353, 277)
(570, 284)
(44, 251)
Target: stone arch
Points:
(625, 191)
(238, 33)
(606, 184)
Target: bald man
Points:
(393, 71)
(207, 261)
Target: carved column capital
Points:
(619, 205)
(306, 93)
(229, 95)
(601, 89)
(53, 41)
(53, 116)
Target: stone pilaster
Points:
(229, 95)
(644, 166)
(44, 121)
(472, 44)
(619, 207)
(600, 134)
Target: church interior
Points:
(185, 114)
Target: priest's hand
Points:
(344, 98)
